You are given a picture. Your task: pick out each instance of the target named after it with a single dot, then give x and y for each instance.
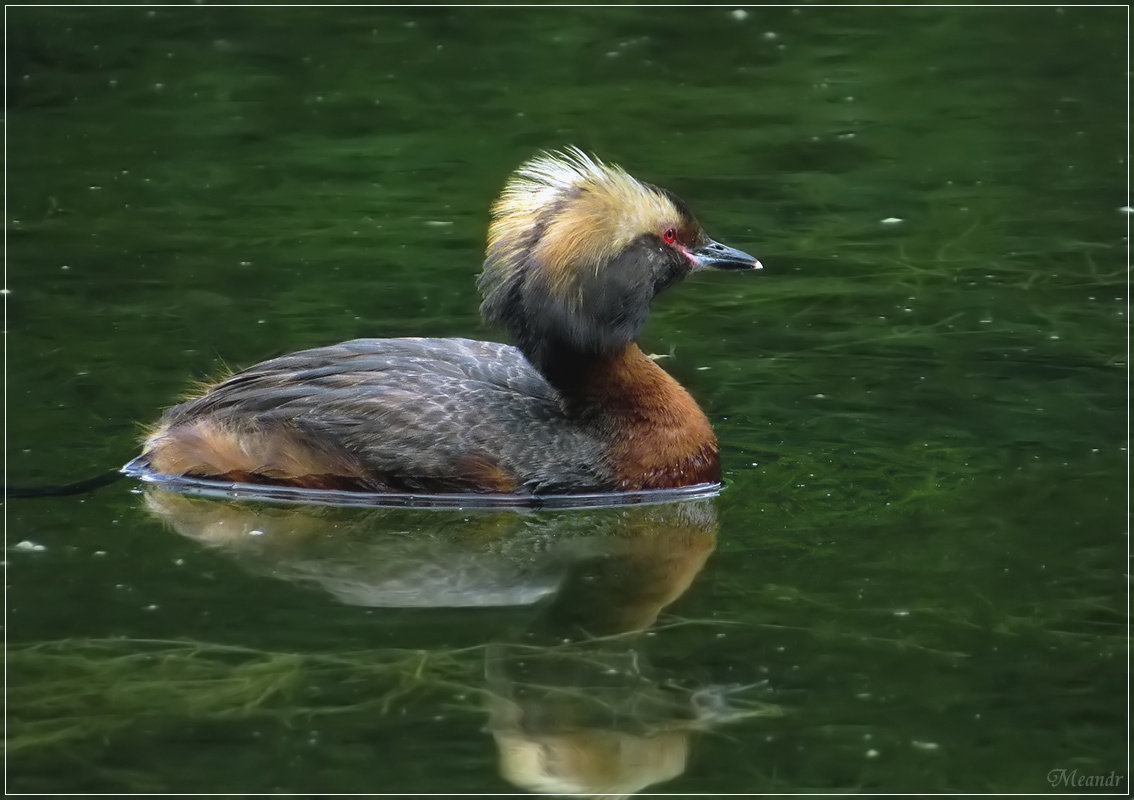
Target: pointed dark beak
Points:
(714, 255)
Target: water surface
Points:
(914, 579)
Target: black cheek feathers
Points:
(615, 301)
(599, 311)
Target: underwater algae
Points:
(73, 693)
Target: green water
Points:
(915, 579)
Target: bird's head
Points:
(578, 248)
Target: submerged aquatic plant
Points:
(77, 689)
(71, 692)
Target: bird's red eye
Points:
(670, 235)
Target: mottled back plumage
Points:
(448, 407)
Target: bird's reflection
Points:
(573, 704)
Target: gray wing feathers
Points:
(416, 405)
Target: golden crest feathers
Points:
(566, 211)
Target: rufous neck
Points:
(659, 436)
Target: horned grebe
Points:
(577, 249)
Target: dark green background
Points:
(923, 535)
